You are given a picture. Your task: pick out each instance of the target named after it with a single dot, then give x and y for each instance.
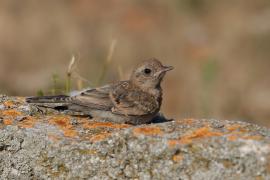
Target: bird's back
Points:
(119, 101)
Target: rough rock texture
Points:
(57, 146)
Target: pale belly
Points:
(110, 117)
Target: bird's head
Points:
(149, 74)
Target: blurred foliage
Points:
(209, 73)
(191, 5)
(55, 79)
(40, 93)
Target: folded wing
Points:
(132, 102)
(97, 98)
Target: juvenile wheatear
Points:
(135, 101)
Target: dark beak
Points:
(163, 70)
(167, 68)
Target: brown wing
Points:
(131, 101)
(97, 98)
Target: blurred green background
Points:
(220, 50)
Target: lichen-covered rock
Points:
(57, 146)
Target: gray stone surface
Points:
(57, 146)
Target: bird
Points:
(134, 101)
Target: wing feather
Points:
(132, 102)
(97, 98)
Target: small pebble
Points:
(74, 121)
(2, 107)
(218, 125)
(25, 109)
(20, 118)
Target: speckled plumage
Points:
(135, 101)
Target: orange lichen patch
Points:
(185, 140)
(177, 158)
(90, 125)
(173, 142)
(54, 137)
(100, 137)
(236, 127)
(29, 122)
(233, 127)
(200, 133)
(149, 131)
(63, 123)
(8, 104)
(235, 137)
(232, 137)
(236, 133)
(257, 138)
(186, 121)
(70, 133)
(7, 122)
(11, 112)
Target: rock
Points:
(58, 146)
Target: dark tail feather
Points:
(60, 102)
(48, 99)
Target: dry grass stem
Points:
(120, 72)
(107, 62)
(69, 73)
(111, 51)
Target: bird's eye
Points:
(147, 71)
